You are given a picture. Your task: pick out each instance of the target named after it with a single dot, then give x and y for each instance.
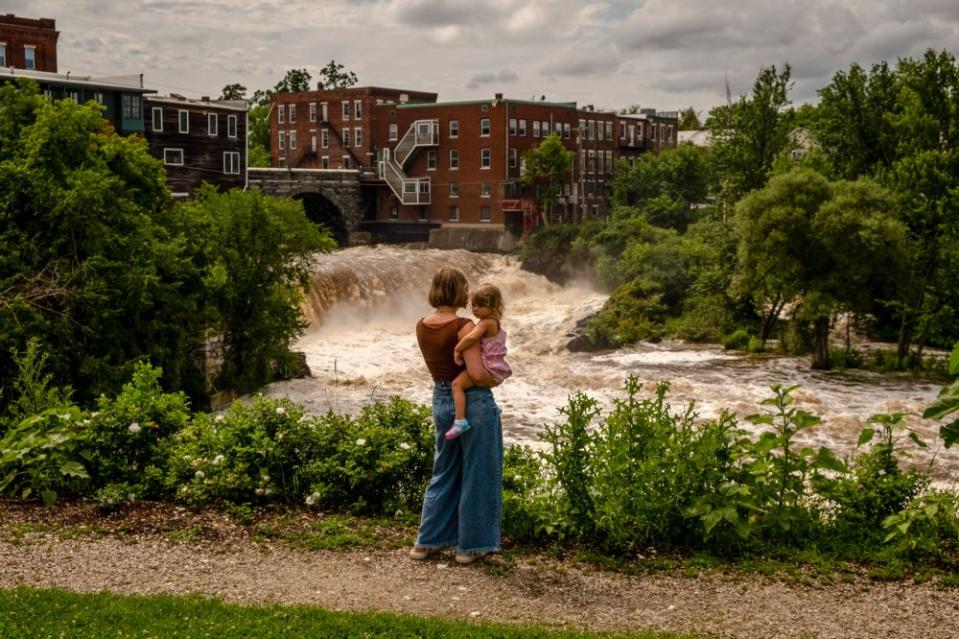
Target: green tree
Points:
(235, 91)
(88, 265)
(255, 252)
(749, 134)
(545, 168)
(689, 120)
(334, 76)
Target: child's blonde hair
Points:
(489, 295)
(449, 288)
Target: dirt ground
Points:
(138, 553)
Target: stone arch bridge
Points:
(337, 198)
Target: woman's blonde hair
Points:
(489, 295)
(449, 288)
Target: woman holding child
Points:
(463, 501)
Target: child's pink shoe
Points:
(460, 426)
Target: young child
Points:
(487, 305)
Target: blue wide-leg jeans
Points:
(464, 499)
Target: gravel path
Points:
(535, 590)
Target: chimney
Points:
(205, 98)
(498, 96)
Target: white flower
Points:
(219, 418)
(310, 500)
(94, 413)
(134, 428)
(200, 474)
(280, 410)
(258, 491)
(361, 442)
(267, 491)
(405, 446)
(218, 459)
(86, 421)
(279, 437)
(265, 479)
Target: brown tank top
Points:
(437, 344)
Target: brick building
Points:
(198, 141)
(28, 44)
(434, 164)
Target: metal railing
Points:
(420, 133)
(415, 191)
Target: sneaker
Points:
(419, 553)
(459, 427)
(464, 558)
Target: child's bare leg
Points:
(460, 384)
(478, 374)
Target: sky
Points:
(663, 54)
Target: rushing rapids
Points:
(364, 303)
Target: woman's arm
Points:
(471, 338)
(474, 361)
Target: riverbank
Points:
(247, 557)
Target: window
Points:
(281, 114)
(3, 54)
(98, 96)
(231, 163)
(346, 109)
(582, 161)
(173, 157)
(484, 158)
(357, 109)
(609, 130)
(325, 162)
(484, 127)
(313, 143)
(292, 108)
(231, 126)
(485, 214)
(512, 126)
(357, 137)
(132, 106)
(324, 111)
(345, 161)
(609, 161)
(544, 126)
(454, 128)
(29, 57)
(394, 132)
(157, 113)
(559, 129)
(211, 123)
(535, 128)
(394, 211)
(567, 130)
(184, 121)
(454, 158)
(292, 139)
(431, 160)
(282, 162)
(522, 128)
(282, 140)
(324, 138)
(454, 189)
(312, 111)
(622, 130)
(346, 136)
(454, 214)
(484, 189)
(512, 158)
(74, 97)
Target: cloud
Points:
(503, 76)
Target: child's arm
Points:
(479, 331)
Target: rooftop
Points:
(124, 83)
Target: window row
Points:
(595, 161)
(29, 56)
(486, 214)
(286, 113)
(596, 129)
(345, 162)
(183, 122)
(231, 160)
(287, 139)
(454, 129)
(517, 127)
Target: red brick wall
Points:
(18, 33)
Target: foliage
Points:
(235, 91)
(749, 134)
(929, 525)
(334, 76)
(41, 457)
(545, 168)
(126, 438)
(559, 251)
(689, 120)
(947, 403)
(269, 451)
(32, 390)
(88, 265)
(255, 253)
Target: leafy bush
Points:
(41, 456)
(32, 388)
(126, 438)
(737, 341)
(928, 526)
(269, 451)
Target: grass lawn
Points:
(40, 614)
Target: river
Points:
(361, 347)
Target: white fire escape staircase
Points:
(410, 190)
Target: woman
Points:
(464, 498)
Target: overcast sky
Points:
(666, 54)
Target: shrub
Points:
(41, 456)
(32, 389)
(736, 341)
(269, 451)
(126, 437)
(755, 345)
(928, 526)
